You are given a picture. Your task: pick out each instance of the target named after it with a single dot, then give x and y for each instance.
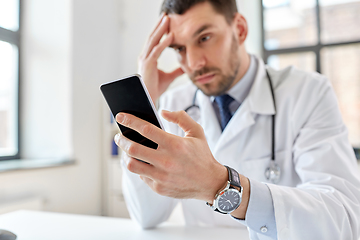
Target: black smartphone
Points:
(129, 95)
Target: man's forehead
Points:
(200, 17)
(190, 29)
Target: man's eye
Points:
(204, 39)
(180, 49)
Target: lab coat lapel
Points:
(259, 101)
(260, 97)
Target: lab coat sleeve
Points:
(144, 205)
(326, 204)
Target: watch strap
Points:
(216, 210)
(234, 178)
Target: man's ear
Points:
(240, 27)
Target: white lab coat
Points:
(318, 196)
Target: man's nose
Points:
(195, 59)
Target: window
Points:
(9, 78)
(323, 36)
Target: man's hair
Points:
(227, 8)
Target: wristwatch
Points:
(229, 198)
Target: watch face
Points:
(229, 201)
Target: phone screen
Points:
(129, 95)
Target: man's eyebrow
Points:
(200, 30)
(175, 46)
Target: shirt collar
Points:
(242, 88)
(259, 99)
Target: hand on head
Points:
(156, 80)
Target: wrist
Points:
(219, 182)
(240, 212)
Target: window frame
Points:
(14, 38)
(316, 49)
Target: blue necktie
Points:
(223, 102)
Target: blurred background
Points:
(56, 132)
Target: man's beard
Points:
(226, 81)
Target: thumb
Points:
(176, 73)
(170, 77)
(185, 122)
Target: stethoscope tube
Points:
(273, 172)
(273, 118)
(193, 102)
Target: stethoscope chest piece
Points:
(273, 172)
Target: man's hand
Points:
(181, 167)
(156, 80)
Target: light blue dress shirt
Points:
(260, 216)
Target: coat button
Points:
(263, 229)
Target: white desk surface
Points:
(32, 225)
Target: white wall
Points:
(252, 12)
(97, 53)
(69, 48)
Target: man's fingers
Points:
(185, 122)
(136, 150)
(158, 49)
(158, 24)
(147, 172)
(176, 73)
(143, 127)
(140, 168)
(170, 77)
(157, 35)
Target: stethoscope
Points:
(273, 171)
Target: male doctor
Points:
(216, 163)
